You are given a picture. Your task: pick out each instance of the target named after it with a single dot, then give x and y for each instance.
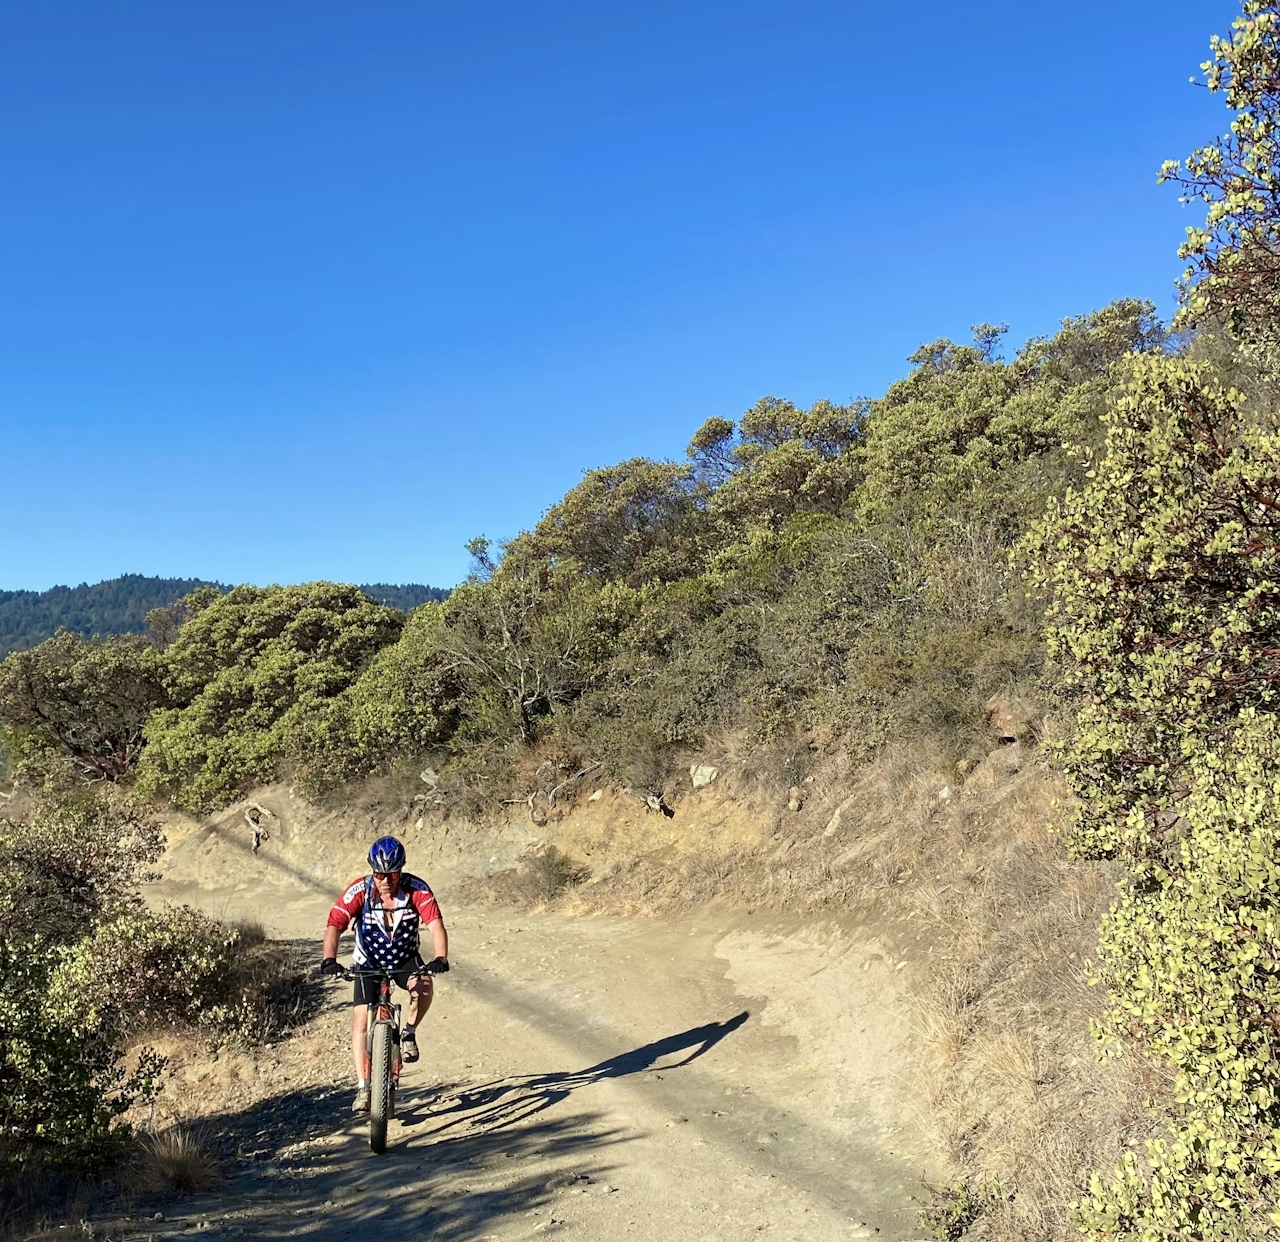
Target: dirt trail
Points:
(599, 1078)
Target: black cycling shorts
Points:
(367, 987)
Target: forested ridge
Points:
(120, 606)
(115, 606)
(1088, 519)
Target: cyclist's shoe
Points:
(361, 1103)
(408, 1047)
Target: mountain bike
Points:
(382, 1049)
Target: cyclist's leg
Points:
(421, 991)
(359, 1053)
(363, 994)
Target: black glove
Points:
(437, 966)
(329, 966)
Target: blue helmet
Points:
(386, 854)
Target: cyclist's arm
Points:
(344, 910)
(439, 938)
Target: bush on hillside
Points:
(839, 568)
(969, 438)
(83, 963)
(245, 671)
(406, 703)
(1165, 620)
(67, 865)
(85, 698)
(1233, 271)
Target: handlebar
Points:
(382, 972)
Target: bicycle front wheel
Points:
(380, 1086)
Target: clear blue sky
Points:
(321, 290)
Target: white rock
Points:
(834, 823)
(595, 797)
(702, 774)
(429, 777)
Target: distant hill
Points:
(117, 606)
(405, 597)
(120, 606)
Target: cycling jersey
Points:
(412, 908)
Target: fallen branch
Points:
(569, 780)
(551, 795)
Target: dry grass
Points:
(543, 875)
(252, 933)
(173, 1160)
(35, 1197)
(967, 865)
(275, 983)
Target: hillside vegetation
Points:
(833, 576)
(120, 606)
(1089, 522)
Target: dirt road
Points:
(601, 1079)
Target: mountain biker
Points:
(390, 907)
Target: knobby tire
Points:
(380, 1086)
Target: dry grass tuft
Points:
(252, 933)
(544, 874)
(174, 1159)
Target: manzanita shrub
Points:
(1164, 579)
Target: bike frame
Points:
(383, 1012)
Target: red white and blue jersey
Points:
(386, 935)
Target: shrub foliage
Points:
(83, 964)
(1165, 580)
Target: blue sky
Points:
(294, 291)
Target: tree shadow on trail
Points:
(305, 1169)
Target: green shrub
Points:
(957, 1207)
(85, 963)
(62, 1090)
(246, 672)
(61, 869)
(139, 970)
(85, 698)
(405, 703)
(1165, 620)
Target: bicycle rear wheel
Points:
(380, 1086)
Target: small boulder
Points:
(702, 774)
(595, 797)
(795, 798)
(429, 777)
(835, 823)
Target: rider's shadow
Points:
(508, 1101)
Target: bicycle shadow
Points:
(298, 1164)
(509, 1101)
